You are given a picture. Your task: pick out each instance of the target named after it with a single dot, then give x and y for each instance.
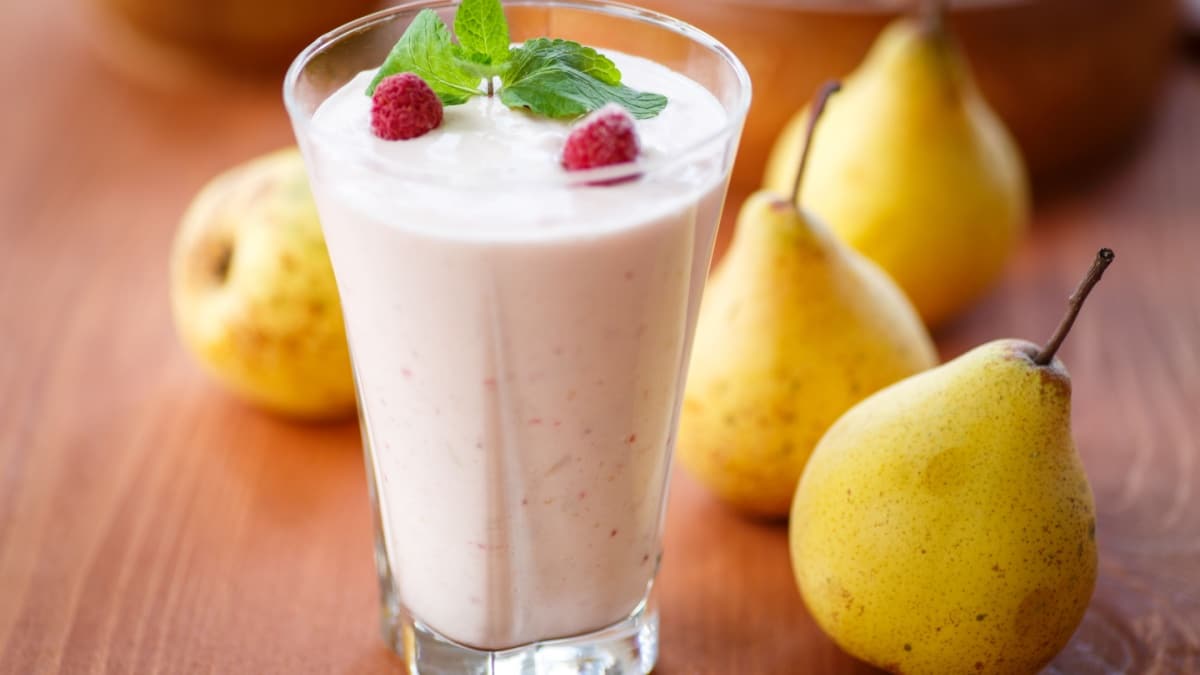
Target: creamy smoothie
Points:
(520, 347)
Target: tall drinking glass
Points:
(520, 347)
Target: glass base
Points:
(629, 647)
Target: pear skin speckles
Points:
(793, 330)
(953, 507)
(253, 293)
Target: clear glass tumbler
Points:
(520, 348)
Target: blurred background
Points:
(145, 519)
(1074, 80)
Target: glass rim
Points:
(735, 114)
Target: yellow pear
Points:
(253, 291)
(914, 170)
(945, 524)
(795, 327)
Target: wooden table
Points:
(151, 524)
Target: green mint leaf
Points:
(482, 29)
(542, 51)
(477, 64)
(563, 79)
(426, 50)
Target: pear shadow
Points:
(1100, 646)
(727, 594)
(292, 467)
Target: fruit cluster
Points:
(940, 519)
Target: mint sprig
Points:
(555, 78)
(426, 50)
(563, 79)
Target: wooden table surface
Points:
(151, 524)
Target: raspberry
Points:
(404, 107)
(603, 138)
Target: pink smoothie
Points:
(520, 349)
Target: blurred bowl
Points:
(260, 36)
(1072, 79)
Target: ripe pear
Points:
(914, 170)
(253, 291)
(795, 327)
(945, 524)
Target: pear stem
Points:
(1103, 259)
(828, 89)
(932, 15)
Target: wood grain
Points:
(150, 524)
